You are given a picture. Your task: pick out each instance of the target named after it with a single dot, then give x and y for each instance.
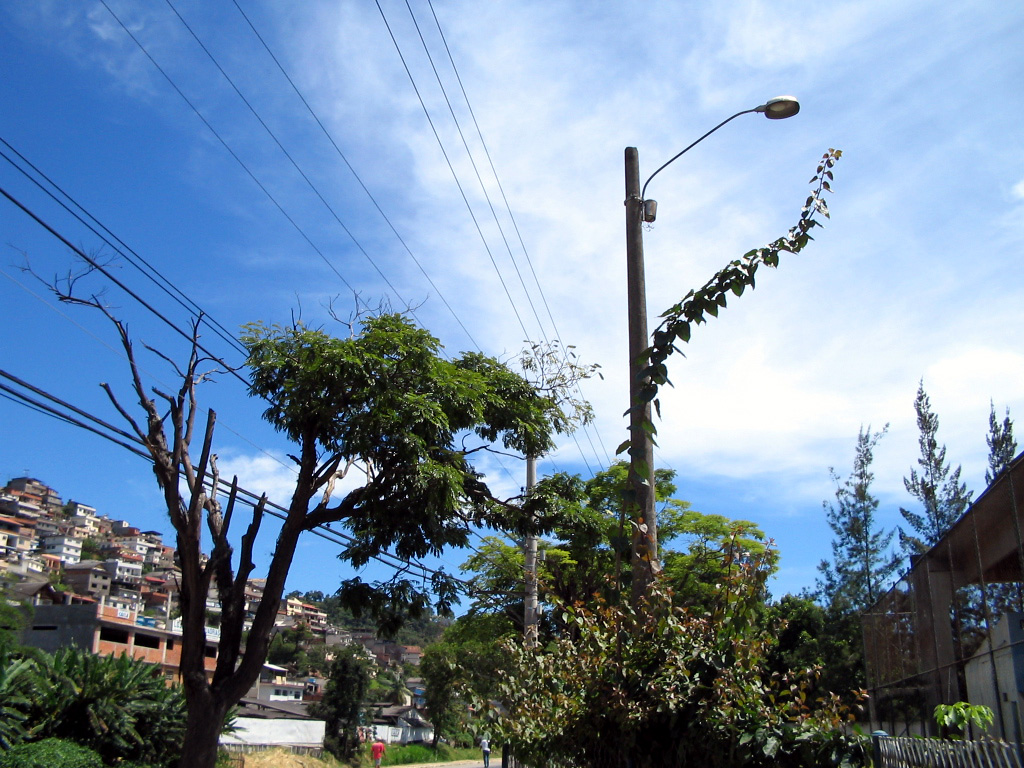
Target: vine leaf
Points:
(677, 322)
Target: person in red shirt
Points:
(377, 750)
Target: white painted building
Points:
(124, 570)
(67, 548)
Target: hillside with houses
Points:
(105, 586)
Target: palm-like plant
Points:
(118, 706)
(16, 674)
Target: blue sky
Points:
(916, 277)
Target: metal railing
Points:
(912, 752)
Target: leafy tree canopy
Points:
(342, 705)
(669, 685)
(386, 400)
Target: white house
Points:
(67, 548)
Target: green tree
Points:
(827, 639)
(587, 556)
(292, 647)
(342, 705)
(1001, 445)
(714, 547)
(464, 667)
(862, 559)
(385, 400)
(90, 549)
(666, 685)
(13, 619)
(442, 672)
(938, 489)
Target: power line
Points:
(106, 273)
(164, 283)
(130, 442)
(91, 262)
(345, 160)
(476, 170)
(288, 155)
(242, 164)
(230, 151)
(458, 184)
(508, 208)
(320, 195)
(461, 190)
(121, 353)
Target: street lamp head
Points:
(779, 108)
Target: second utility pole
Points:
(530, 633)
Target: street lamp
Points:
(644, 555)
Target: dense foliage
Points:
(671, 686)
(342, 705)
(465, 667)
(826, 638)
(117, 706)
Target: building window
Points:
(211, 651)
(113, 635)
(146, 641)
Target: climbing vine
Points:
(678, 321)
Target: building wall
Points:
(109, 631)
(62, 626)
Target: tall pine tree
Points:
(862, 559)
(1001, 445)
(941, 494)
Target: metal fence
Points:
(952, 628)
(907, 752)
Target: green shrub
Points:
(50, 753)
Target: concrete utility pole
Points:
(530, 633)
(644, 555)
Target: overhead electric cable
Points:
(164, 283)
(352, 170)
(230, 151)
(94, 264)
(121, 353)
(313, 187)
(508, 207)
(458, 184)
(291, 159)
(106, 273)
(476, 170)
(274, 509)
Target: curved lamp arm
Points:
(778, 108)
